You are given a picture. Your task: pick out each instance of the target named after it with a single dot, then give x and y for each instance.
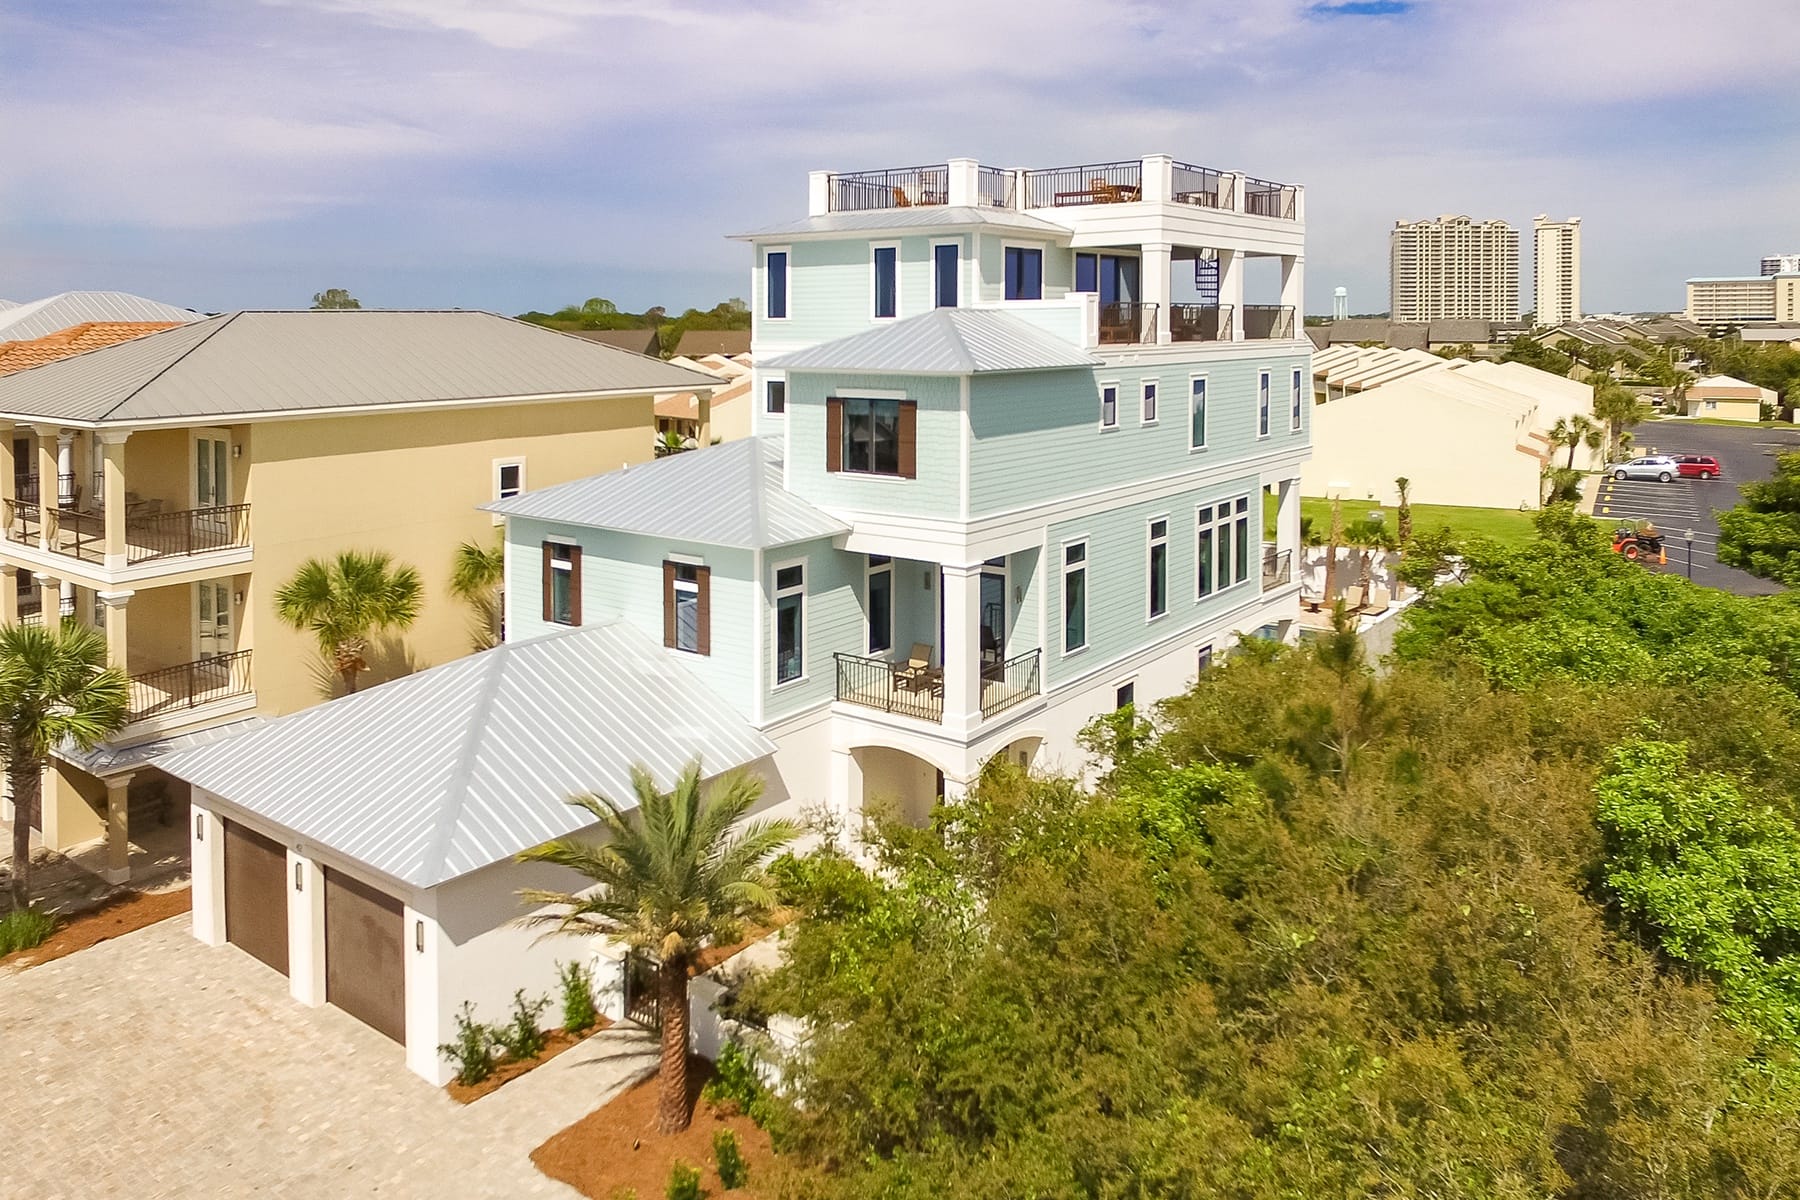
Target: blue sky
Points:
(514, 154)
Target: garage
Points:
(365, 968)
(256, 914)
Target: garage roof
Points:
(442, 773)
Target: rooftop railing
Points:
(1127, 323)
(1268, 321)
(1202, 187)
(1200, 322)
(1265, 199)
(896, 187)
(995, 188)
(1095, 183)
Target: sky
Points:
(520, 154)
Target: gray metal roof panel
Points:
(442, 773)
(262, 363)
(944, 341)
(725, 495)
(52, 314)
(916, 217)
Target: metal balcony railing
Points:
(1268, 321)
(1265, 199)
(1096, 183)
(1199, 186)
(1008, 683)
(148, 535)
(1200, 322)
(895, 187)
(891, 686)
(1127, 324)
(1277, 567)
(190, 685)
(995, 188)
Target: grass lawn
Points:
(1508, 526)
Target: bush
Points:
(521, 1037)
(734, 1080)
(577, 997)
(24, 928)
(733, 1171)
(684, 1183)
(473, 1049)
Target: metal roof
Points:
(724, 495)
(944, 341)
(107, 758)
(250, 364)
(936, 216)
(52, 314)
(442, 773)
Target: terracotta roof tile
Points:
(77, 339)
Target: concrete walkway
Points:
(152, 1066)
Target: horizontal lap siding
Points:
(832, 621)
(1037, 435)
(1059, 266)
(937, 492)
(831, 287)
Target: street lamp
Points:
(1689, 535)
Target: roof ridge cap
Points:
(172, 363)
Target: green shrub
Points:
(684, 1183)
(577, 997)
(734, 1079)
(733, 1171)
(473, 1048)
(520, 1037)
(24, 928)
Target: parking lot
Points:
(1691, 505)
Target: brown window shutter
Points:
(909, 439)
(574, 585)
(703, 578)
(549, 590)
(834, 435)
(669, 604)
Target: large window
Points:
(881, 604)
(777, 397)
(790, 623)
(1222, 545)
(687, 608)
(1148, 414)
(1159, 567)
(871, 437)
(1024, 273)
(1074, 586)
(887, 281)
(562, 583)
(945, 263)
(1087, 273)
(1262, 404)
(1294, 403)
(775, 267)
(1197, 414)
(1109, 406)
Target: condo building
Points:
(1780, 264)
(1454, 268)
(1556, 254)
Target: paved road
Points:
(152, 1066)
(1745, 455)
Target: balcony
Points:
(1201, 187)
(897, 187)
(1096, 183)
(1277, 567)
(918, 692)
(1127, 324)
(1265, 199)
(172, 691)
(1268, 321)
(1200, 322)
(150, 534)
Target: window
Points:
(1294, 403)
(1126, 696)
(871, 437)
(1074, 597)
(1109, 406)
(509, 477)
(1205, 657)
(687, 607)
(1243, 538)
(1159, 567)
(881, 604)
(1024, 273)
(887, 284)
(562, 583)
(1149, 411)
(1221, 545)
(1203, 551)
(790, 620)
(1262, 404)
(776, 392)
(775, 266)
(1087, 273)
(1197, 414)
(945, 265)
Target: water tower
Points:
(1340, 304)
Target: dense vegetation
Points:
(1518, 917)
(600, 313)
(1762, 534)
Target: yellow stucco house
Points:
(164, 489)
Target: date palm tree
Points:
(673, 879)
(1403, 512)
(55, 687)
(476, 578)
(347, 600)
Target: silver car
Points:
(1659, 467)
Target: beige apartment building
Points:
(164, 489)
(1453, 268)
(1736, 299)
(1556, 262)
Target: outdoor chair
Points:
(1353, 598)
(1380, 600)
(915, 672)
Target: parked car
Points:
(1697, 466)
(1659, 467)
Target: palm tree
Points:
(1572, 432)
(55, 687)
(1332, 543)
(476, 578)
(346, 601)
(1403, 485)
(671, 882)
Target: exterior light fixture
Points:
(299, 874)
(419, 936)
(199, 827)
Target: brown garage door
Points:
(365, 971)
(256, 916)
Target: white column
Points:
(1232, 183)
(112, 466)
(428, 1024)
(65, 602)
(1231, 289)
(118, 830)
(65, 468)
(49, 598)
(47, 437)
(965, 183)
(9, 593)
(206, 835)
(306, 929)
(1158, 180)
(962, 647)
(1158, 289)
(845, 798)
(1293, 289)
(955, 790)
(1287, 517)
(818, 193)
(114, 603)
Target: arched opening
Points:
(898, 785)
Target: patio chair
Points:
(900, 200)
(1353, 598)
(915, 672)
(1380, 600)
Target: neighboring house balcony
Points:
(189, 692)
(912, 687)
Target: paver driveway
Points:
(151, 1065)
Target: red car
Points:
(1696, 466)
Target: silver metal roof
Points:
(52, 314)
(107, 759)
(724, 495)
(442, 773)
(945, 341)
(249, 364)
(917, 217)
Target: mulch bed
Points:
(126, 912)
(617, 1147)
(712, 956)
(555, 1042)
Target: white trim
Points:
(1150, 543)
(686, 560)
(777, 592)
(1104, 427)
(1147, 390)
(211, 433)
(1012, 244)
(899, 309)
(762, 281)
(767, 383)
(960, 244)
(1264, 420)
(500, 492)
(863, 393)
(1129, 681)
(1205, 382)
(1064, 650)
(1296, 396)
(870, 570)
(561, 539)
